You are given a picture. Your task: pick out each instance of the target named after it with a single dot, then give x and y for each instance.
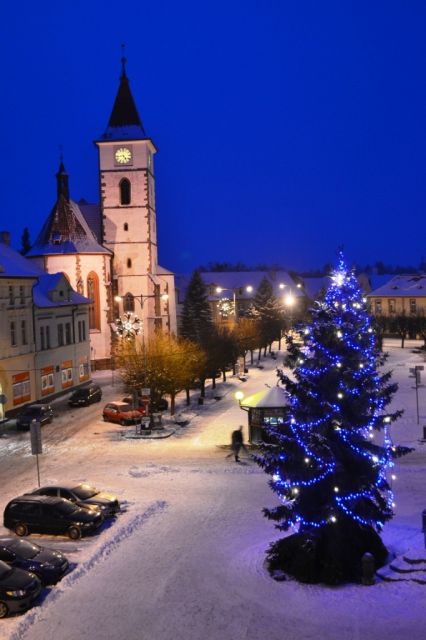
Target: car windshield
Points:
(5, 570)
(80, 393)
(66, 507)
(84, 491)
(24, 549)
(32, 411)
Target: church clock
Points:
(123, 155)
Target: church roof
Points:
(65, 230)
(124, 122)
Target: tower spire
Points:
(62, 179)
(123, 61)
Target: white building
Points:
(109, 251)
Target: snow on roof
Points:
(49, 283)
(92, 215)
(273, 398)
(66, 231)
(402, 286)
(13, 265)
(239, 280)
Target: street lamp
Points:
(289, 302)
(248, 288)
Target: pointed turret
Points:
(62, 182)
(124, 122)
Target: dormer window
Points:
(125, 191)
(56, 238)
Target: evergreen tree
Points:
(25, 241)
(329, 459)
(196, 314)
(267, 309)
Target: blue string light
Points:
(339, 347)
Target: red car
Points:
(122, 413)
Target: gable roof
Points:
(50, 283)
(13, 265)
(402, 286)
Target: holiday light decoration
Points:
(324, 466)
(128, 326)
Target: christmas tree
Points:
(330, 459)
(196, 315)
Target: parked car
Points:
(49, 566)
(85, 395)
(84, 495)
(156, 403)
(18, 589)
(122, 413)
(42, 413)
(44, 514)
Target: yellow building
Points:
(401, 295)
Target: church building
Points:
(108, 251)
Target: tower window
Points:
(129, 303)
(129, 263)
(126, 226)
(93, 294)
(125, 191)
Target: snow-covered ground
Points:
(185, 560)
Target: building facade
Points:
(401, 295)
(109, 251)
(44, 335)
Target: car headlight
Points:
(16, 594)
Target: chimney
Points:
(5, 237)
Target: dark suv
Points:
(85, 395)
(42, 413)
(44, 514)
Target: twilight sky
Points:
(284, 128)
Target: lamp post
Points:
(248, 288)
(289, 302)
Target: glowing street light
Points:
(249, 289)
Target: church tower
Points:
(129, 227)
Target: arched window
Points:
(129, 263)
(125, 191)
(126, 226)
(129, 303)
(94, 307)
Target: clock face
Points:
(123, 155)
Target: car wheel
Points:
(105, 419)
(123, 423)
(21, 529)
(74, 533)
(3, 610)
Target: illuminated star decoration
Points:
(128, 326)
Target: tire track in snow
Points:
(105, 550)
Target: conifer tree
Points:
(196, 314)
(25, 241)
(330, 459)
(268, 311)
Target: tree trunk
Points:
(223, 375)
(251, 356)
(402, 340)
(203, 388)
(264, 350)
(214, 382)
(188, 398)
(172, 404)
(259, 354)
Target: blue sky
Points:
(284, 129)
